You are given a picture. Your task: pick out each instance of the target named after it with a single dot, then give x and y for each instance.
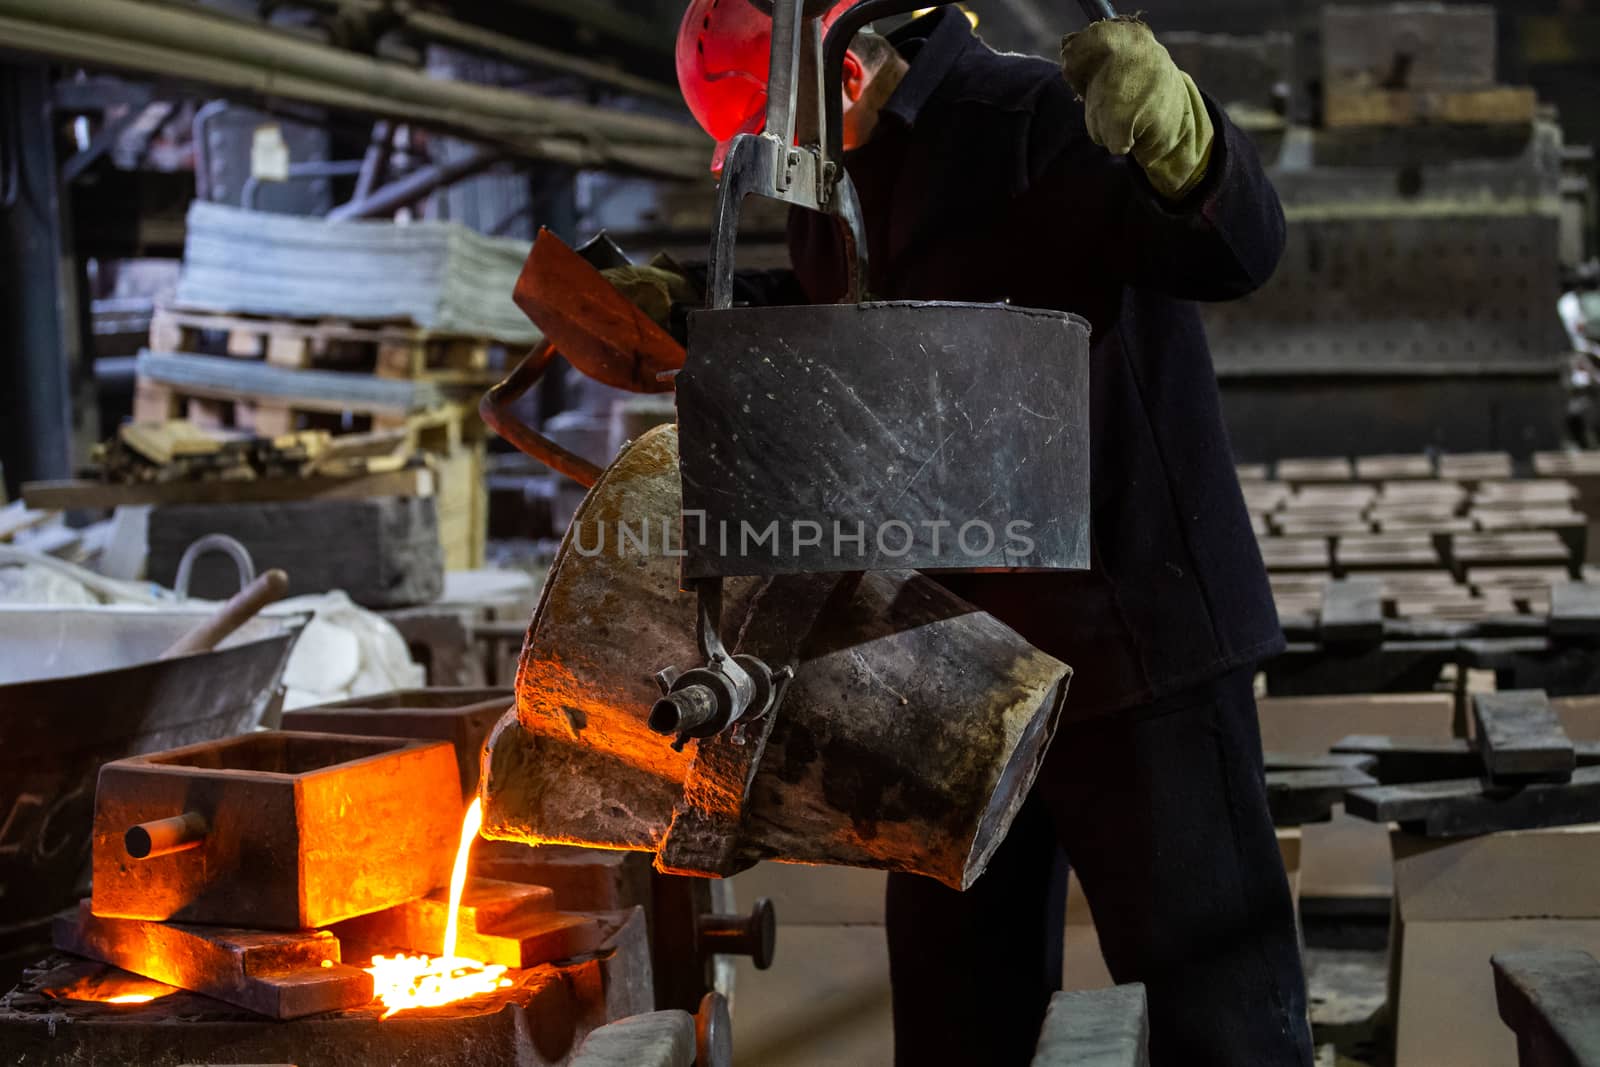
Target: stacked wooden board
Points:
(276, 377)
(356, 512)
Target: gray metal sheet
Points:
(317, 389)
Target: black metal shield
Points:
(935, 436)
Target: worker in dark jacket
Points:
(1120, 193)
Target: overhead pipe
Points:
(469, 38)
(432, 26)
(414, 186)
(222, 52)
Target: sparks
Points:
(402, 982)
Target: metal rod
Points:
(784, 69)
(375, 161)
(416, 185)
(495, 410)
(163, 837)
(310, 170)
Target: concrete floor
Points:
(825, 1001)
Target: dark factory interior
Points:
(799, 533)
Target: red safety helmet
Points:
(724, 51)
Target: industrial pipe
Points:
(486, 42)
(162, 837)
(414, 186)
(198, 46)
(430, 26)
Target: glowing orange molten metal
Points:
(110, 986)
(403, 982)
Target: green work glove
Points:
(1136, 101)
(654, 288)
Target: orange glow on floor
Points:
(403, 982)
(108, 985)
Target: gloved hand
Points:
(654, 288)
(1136, 101)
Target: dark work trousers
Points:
(1163, 812)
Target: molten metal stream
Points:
(403, 982)
(458, 876)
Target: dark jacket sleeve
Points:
(1220, 242)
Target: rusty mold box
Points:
(275, 831)
(463, 716)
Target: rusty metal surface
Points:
(59, 732)
(908, 739)
(279, 975)
(303, 829)
(597, 329)
(885, 436)
(537, 1022)
(582, 879)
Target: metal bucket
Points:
(885, 436)
(907, 740)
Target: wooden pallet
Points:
(451, 437)
(386, 350)
(266, 416)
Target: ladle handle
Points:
(497, 410)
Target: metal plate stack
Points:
(436, 275)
